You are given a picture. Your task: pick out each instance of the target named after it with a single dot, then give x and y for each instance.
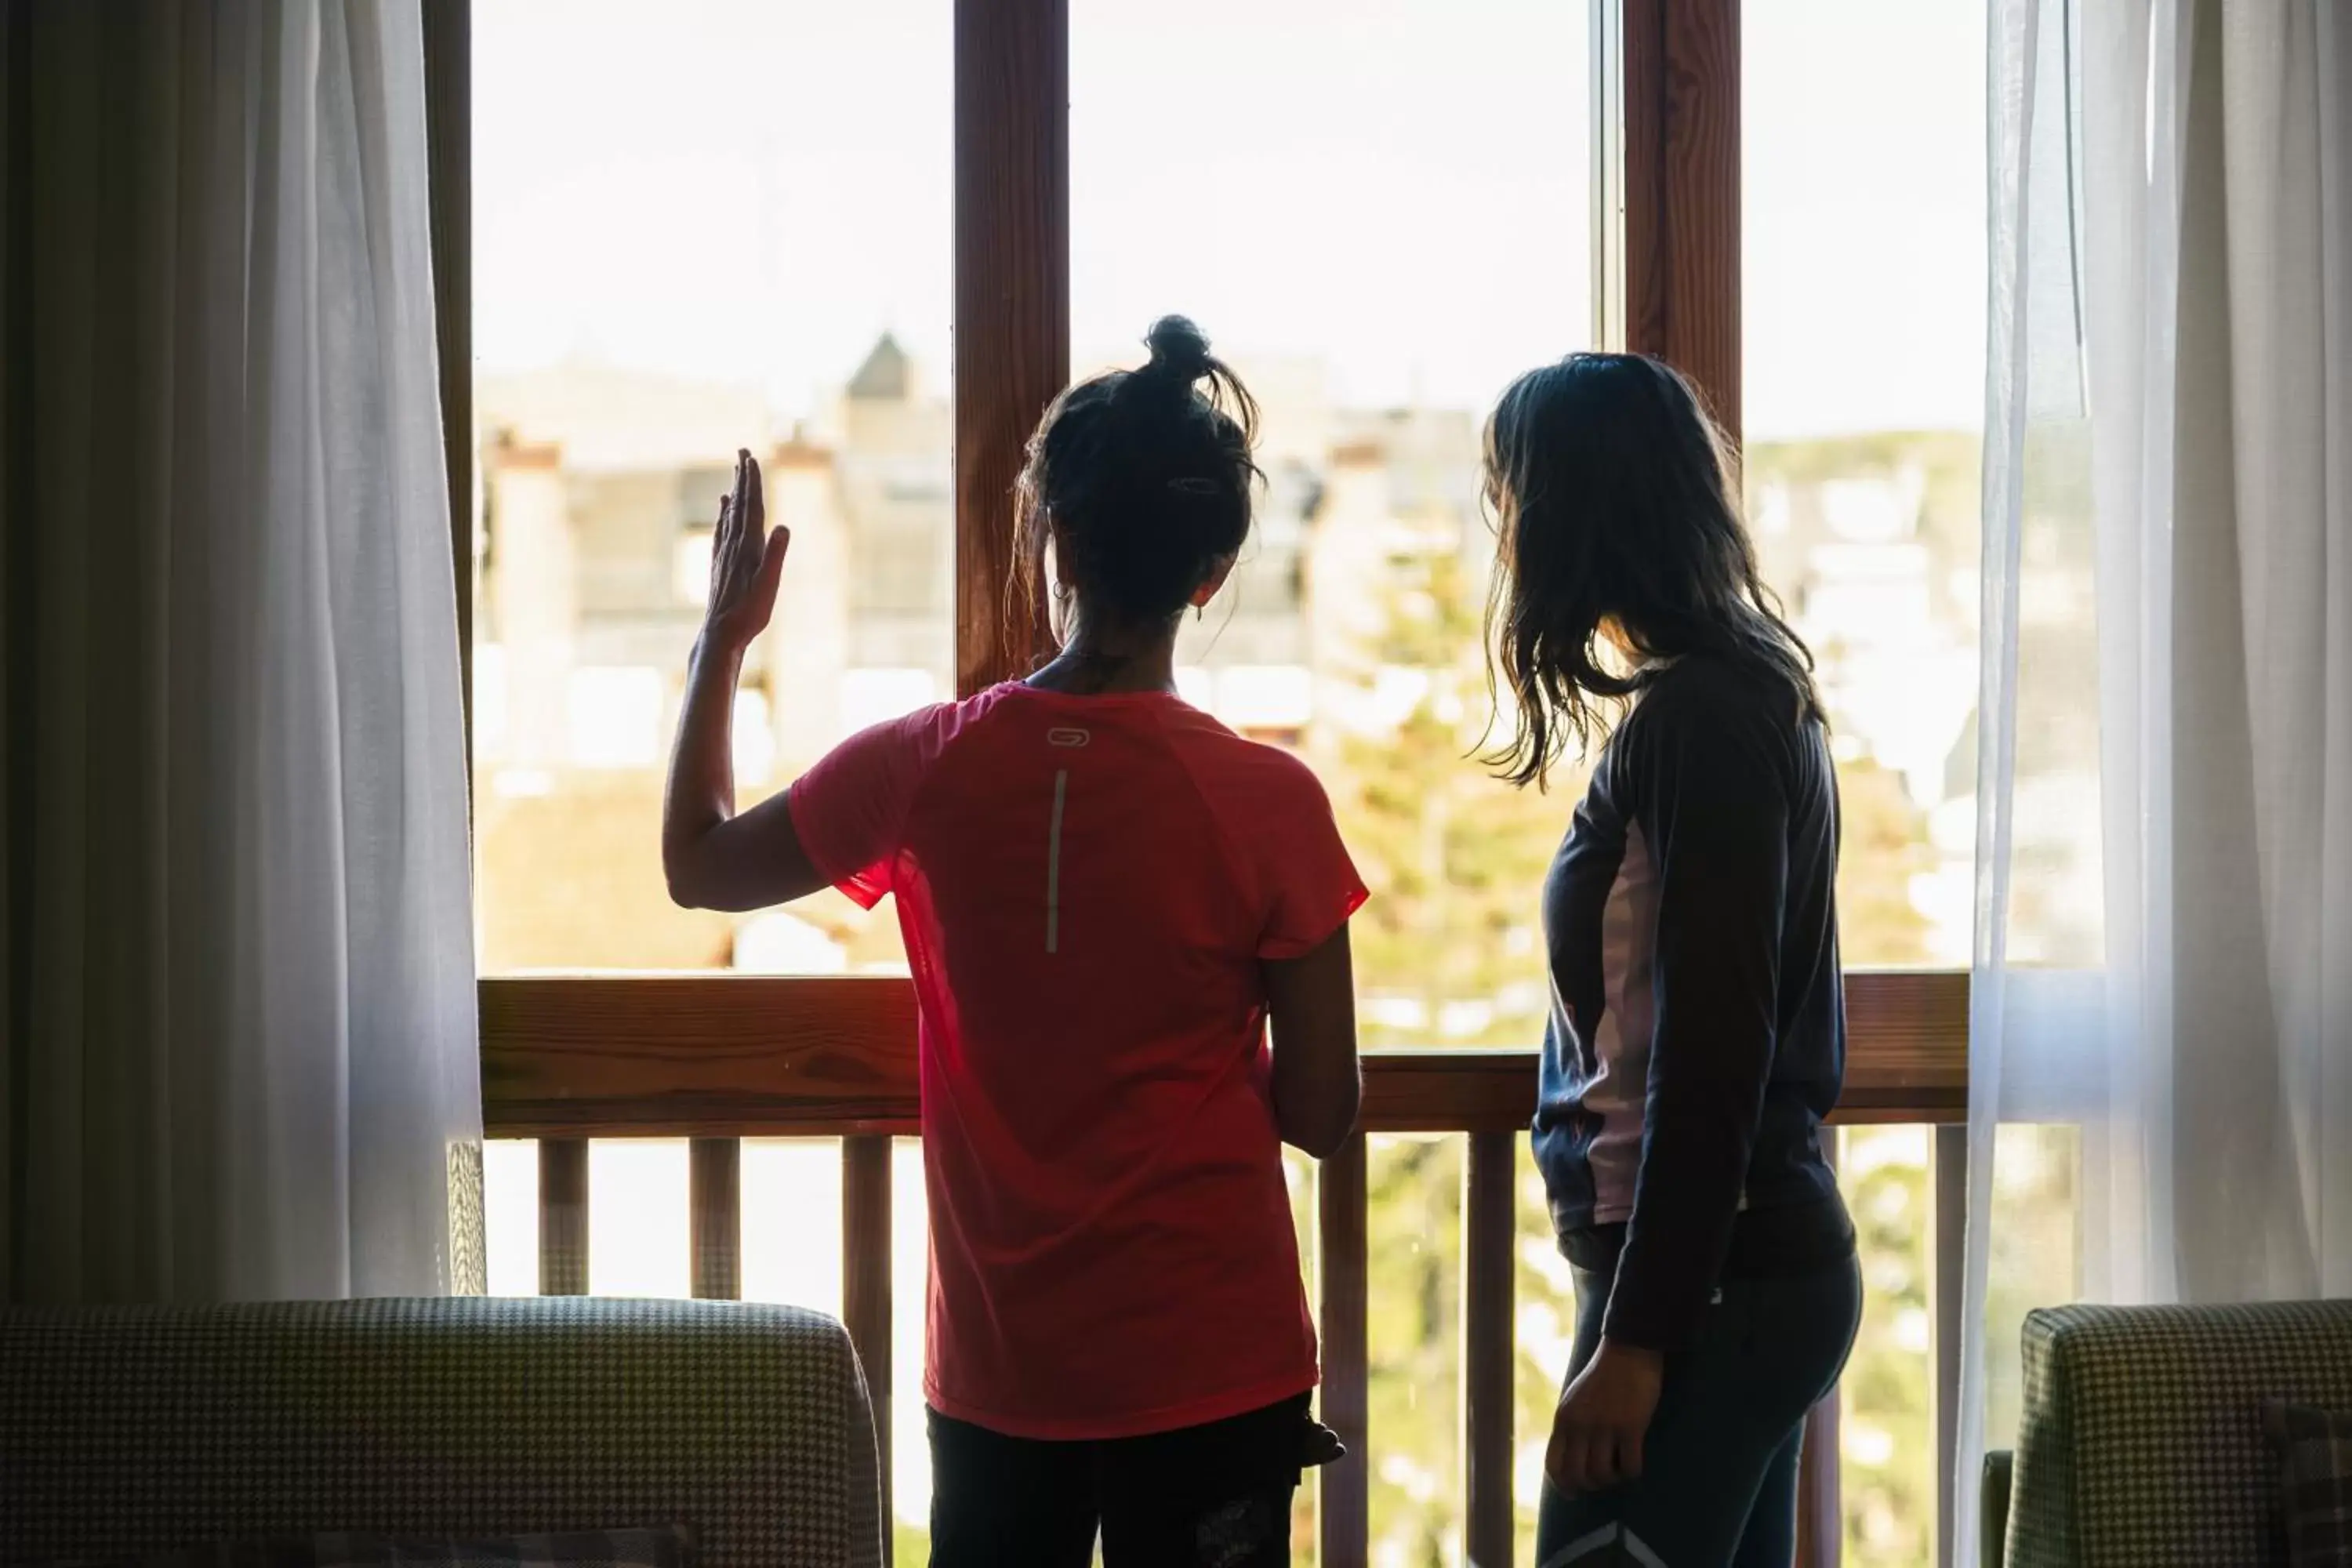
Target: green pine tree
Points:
(1448, 951)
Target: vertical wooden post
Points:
(866, 1283)
(1012, 300)
(715, 1185)
(1489, 1342)
(1344, 1515)
(563, 1216)
(1681, 191)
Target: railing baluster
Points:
(563, 1216)
(1489, 1216)
(715, 1185)
(1821, 1510)
(1948, 1278)
(866, 1283)
(1344, 1516)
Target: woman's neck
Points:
(1098, 657)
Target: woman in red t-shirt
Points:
(1106, 898)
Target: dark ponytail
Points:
(1140, 482)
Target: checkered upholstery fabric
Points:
(671, 1547)
(2142, 1444)
(1992, 1505)
(139, 1430)
(2315, 1450)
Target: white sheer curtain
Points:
(2163, 982)
(241, 1058)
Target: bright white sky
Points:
(750, 190)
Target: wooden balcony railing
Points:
(718, 1059)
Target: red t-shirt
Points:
(1087, 886)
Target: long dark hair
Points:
(1140, 482)
(1616, 500)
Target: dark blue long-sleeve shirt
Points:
(1698, 1030)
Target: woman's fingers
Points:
(738, 553)
(722, 555)
(719, 549)
(760, 601)
(752, 539)
(772, 562)
(1600, 1460)
(1570, 1460)
(1593, 1458)
(747, 561)
(1592, 1451)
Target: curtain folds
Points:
(241, 1058)
(2163, 979)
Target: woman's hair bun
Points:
(1178, 349)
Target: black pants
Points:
(1719, 1464)
(1217, 1496)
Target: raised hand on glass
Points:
(747, 563)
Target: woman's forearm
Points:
(711, 859)
(701, 797)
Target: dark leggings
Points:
(1217, 1496)
(1718, 1481)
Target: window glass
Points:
(1863, 259)
(1379, 215)
(719, 223)
(1862, 302)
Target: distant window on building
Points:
(1872, 510)
(691, 567)
(755, 739)
(899, 570)
(1257, 697)
(870, 696)
(616, 716)
(1397, 690)
(489, 700)
(780, 942)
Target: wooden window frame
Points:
(706, 1053)
(717, 1057)
(720, 1054)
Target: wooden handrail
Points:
(720, 1057)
